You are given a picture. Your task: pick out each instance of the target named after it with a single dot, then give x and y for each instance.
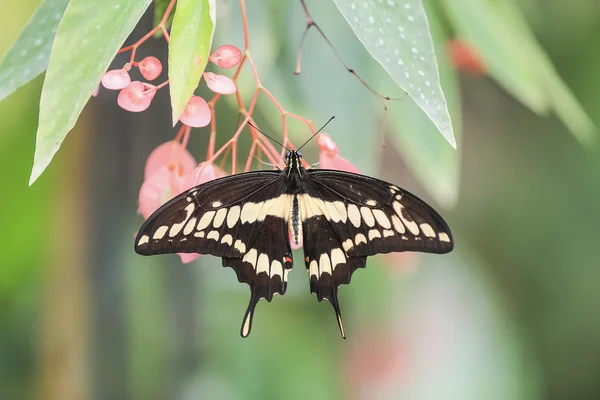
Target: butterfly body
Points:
(248, 219)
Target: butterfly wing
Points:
(241, 218)
(347, 217)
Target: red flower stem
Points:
(250, 155)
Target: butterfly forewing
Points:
(371, 216)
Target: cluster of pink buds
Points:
(136, 96)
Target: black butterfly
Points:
(247, 219)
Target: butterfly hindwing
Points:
(242, 218)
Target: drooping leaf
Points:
(432, 161)
(514, 57)
(191, 38)
(88, 38)
(397, 35)
(29, 54)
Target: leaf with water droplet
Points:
(191, 38)
(88, 38)
(29, 54)
(416, 138)
(396, 33)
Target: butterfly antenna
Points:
(316, 133)
(254, 126)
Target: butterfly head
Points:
(293, 161)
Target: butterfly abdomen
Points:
(295, 226)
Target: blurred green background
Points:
(512, 313)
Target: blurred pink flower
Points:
(170, 153)
(375, 359)
(170, 170)
(329, 157)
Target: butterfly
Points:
(249, 219)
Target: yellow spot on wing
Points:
(143, 240)
(367, 216)
(382, 219)
(374, 233)
(360, 238)
(160, 232)
(205, 220)
(220, 217)
(213, 235)
(233, 216)
(354, 215)
(427, 230)
(444, 237)
(227, 239)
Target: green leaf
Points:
(432, 161)
(88, 38)
(191, 37)
(503, 47)
(397, 35)
(29, 54)
(515, 58)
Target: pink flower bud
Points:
(329, 157)
(219, 83)
(116, 79)
(196, 113)
(136, 97)
(150, 67)
(226, 56)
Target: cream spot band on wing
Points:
(367, 216)
(250, 257)
(227, 239)
(337, 257)
(411, 225)
(220, 217)
(313, 269)
(176, 228)
(276, 207)
(444, 237)
(213, 235)
(262, 265)
(277, 269)
(143, 240)
(374, 233)
(325, 264)
(382, 219)
(189, 227)
(354, 215)
(205, 220)
(427, 230)
(348, 245)
(160, 232)
(233, 216)
(360, 238)
(240, 246)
